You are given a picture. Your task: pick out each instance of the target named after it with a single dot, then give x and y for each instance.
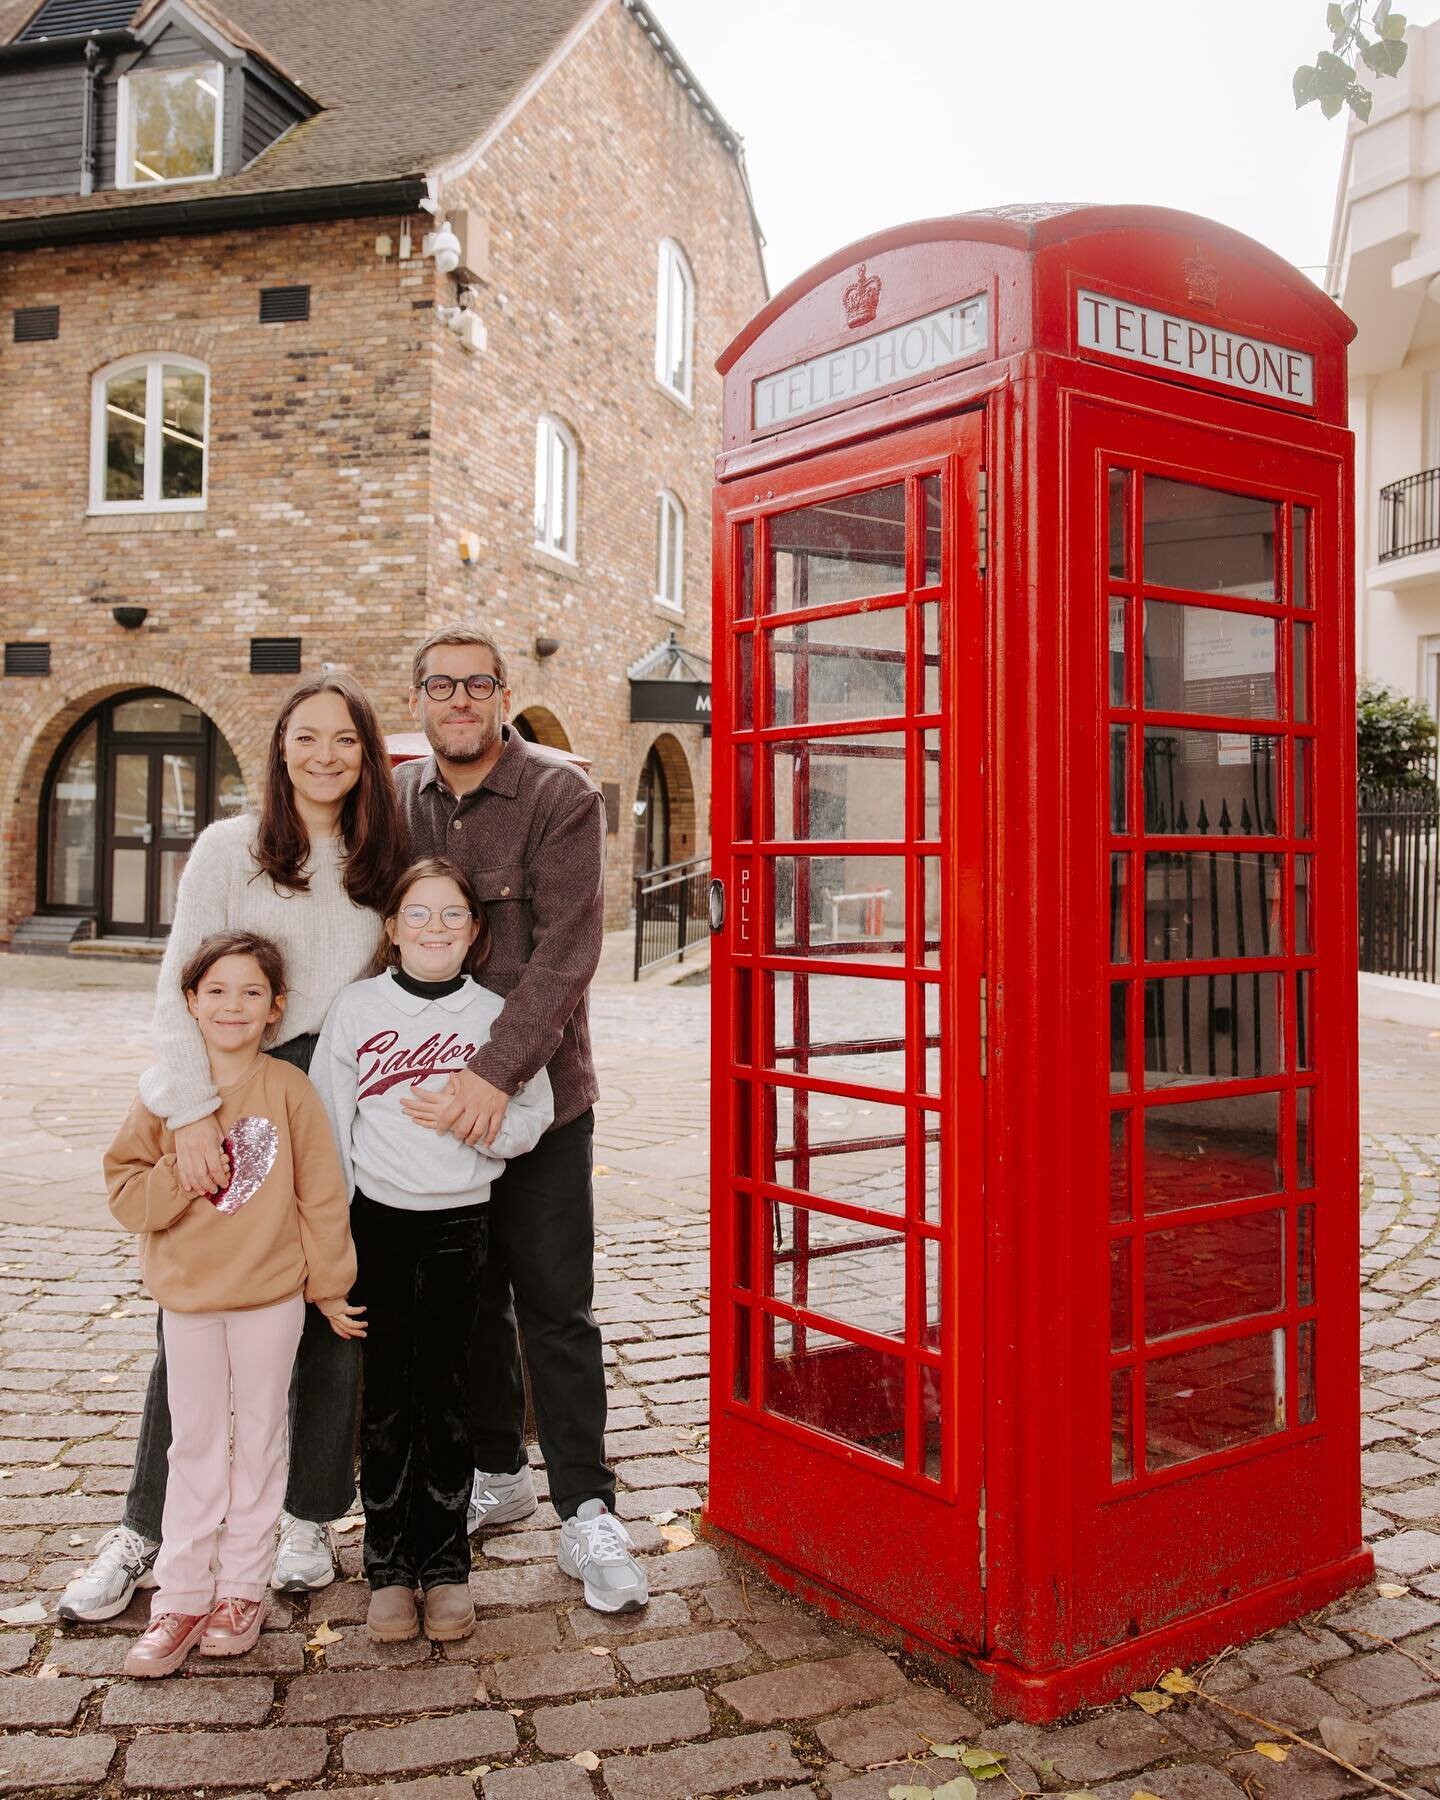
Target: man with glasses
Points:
(528, 828)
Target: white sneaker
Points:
(123, 1561)
(595, 1548)
(500, 1499)
(305, 1559)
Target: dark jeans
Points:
(323, 1393)
(541, 1271)
(418, 1276)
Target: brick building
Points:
(323, 325)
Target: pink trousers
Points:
(229, 1377)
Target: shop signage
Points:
(1164, 341)
(670, 702)
(902, 353)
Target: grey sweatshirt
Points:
(379, 1042)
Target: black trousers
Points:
(323, 1393)
(418, 1276)
(541, 1273)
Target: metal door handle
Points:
(717, 905)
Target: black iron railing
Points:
(1400, 882)
(1410, 515)
(671, 911)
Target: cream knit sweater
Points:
(327, 941)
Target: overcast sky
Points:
(857, 114)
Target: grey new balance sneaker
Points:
(305, 1559)
(500, 1499)
(595, 1548)
(123, 1561)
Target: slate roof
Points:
(404, 84)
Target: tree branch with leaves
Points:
(1374, 38)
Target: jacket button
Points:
(455, 826)
(505, 893)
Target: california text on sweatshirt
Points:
(380, 1041)
(292, 1233)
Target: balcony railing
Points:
(1410, 515)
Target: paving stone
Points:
(1290, 1700)
(785, 1640)
(1386, 1618)
(370, 1693)
(626, 1724)
(899, 1728)
(183, 1702)
(540, 1585)
(543, 1781)
(1117, 1743)
(733, 1603)
(430, 1743)
(1181, 1781)
(429, 1787)
(355, 1651)
(1409, 1552)
(15, 1648)
(1383, 1680)
(27, 1761)
(683, 1569)
(522, 1634)
(346, 1603)
(666, 1471)
(205, 1759)
(1288, 1651)
(552, 1677)
(1411, 1736)
(26, 1701)
(1418, 1505)
(703, 1769)
(1392, 1468)
(90, 1655)
(644, 1503)
(277, 1653)
(666, 1612)
(810, 1690)
(876, 1784)
(669, 1658)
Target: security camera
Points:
(444, 246)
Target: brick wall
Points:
(348, 452)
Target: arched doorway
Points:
(131, 787)
(538, 725)
(652, 816)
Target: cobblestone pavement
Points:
(720, 1687)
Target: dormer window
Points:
(171, 125)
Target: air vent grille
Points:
(27, 659)
(35, 324)
(77, 18)
(283, 306)
(274, 656)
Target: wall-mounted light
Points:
(639, 808)
(546, 646)
(129, 618)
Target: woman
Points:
(311, 872)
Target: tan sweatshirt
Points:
(291, 1235)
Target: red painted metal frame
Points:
(1090, 1585)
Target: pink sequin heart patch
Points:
(251, 1145)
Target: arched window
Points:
(674, 320)
(150, 426)
(670, 551)
(555, 488)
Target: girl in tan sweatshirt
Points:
(232, 1272)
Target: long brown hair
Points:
(387, 951)
(370, 821)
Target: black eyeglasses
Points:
(478, 687)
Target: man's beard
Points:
(486, 736)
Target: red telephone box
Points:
(1035, 1175)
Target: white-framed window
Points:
(674, 320)
(170, 125)
(670, 551)
(556, 468)
(150, 423)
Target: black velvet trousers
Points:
(419, 1273)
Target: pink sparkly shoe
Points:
(233, 1627)
(166, 1643)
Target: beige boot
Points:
(449, 1612)
(392, 1616)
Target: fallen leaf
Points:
(47, 1468)
(77, 1537)
(587, 1759)
(676, 1537)
(482, 1697)
(121, 1313)
(664, 1518)
(28, 1614)
(1272, 1752)
(984, 1765)
(598, 1650)
(1144, 1794)
(47, 1672)
(1150, 1702)
(479, 1770)
(950, 1752)
(961, 1788)
(351, 1522)
(323, 1636)
(105, 1380)
(1176, 1682)
(1390, 1590)
(600, 1169)
(911, 1793)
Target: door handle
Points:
(717, 905)
(146, 832)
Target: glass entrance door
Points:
(848, 1137)
(155, 772)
